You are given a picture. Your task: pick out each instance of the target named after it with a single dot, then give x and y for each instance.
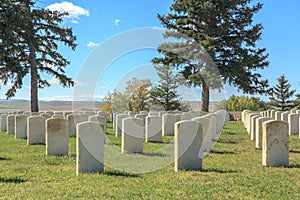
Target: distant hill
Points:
(19, 104)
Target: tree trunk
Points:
(33, 79)
(205, 97)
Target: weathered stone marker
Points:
(253, 126)
(89, 148)
(73, 120)
(57, 137)
(206, 123)
(275, 143)
(10, 121)
(132, 135)
(153, 129)
(293, 120)
(36, 129)
(99, 119)
(3, 125)
(118, 128)
(168, 121)
(21, 126)
(187, 145)
(258, 132)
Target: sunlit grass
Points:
(232, 171)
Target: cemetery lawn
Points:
(232, 171)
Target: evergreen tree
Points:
(165, 94)
(214, 34)
(282, 94)
(29, 39)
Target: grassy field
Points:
(232, 171)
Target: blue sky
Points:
(98, 24)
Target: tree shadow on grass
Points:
(1, 158)
(154, 154)
(293, 166)
(221, 171)
(221, 152)
(227, 141)
(12, 180)
(121, 174)
(294, 151)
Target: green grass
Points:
(232, 171)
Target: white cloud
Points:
(73, 11)
(117, 22)
(92, 44)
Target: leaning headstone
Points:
(258, 132)
(21, 126)
(89, 148)
(168, 121)
(275, 143)
(57, 137)
(293, 120)
(132, 135)
(187, 145)
(119, 119)
(3, 125)
(153, 129)
(36, 130)
(10, 124)
(73, 120)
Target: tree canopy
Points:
(282, 94)
(213, 34)
(165, 94)
(29, 41)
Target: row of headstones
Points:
(193, 137)
(54, 132)
(164, 121)
(270, 134)
(189, 137)
(17, 124)
(291, 117)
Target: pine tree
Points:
(165, 94)
(282, 94)
(214, 34)
(29, 39)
